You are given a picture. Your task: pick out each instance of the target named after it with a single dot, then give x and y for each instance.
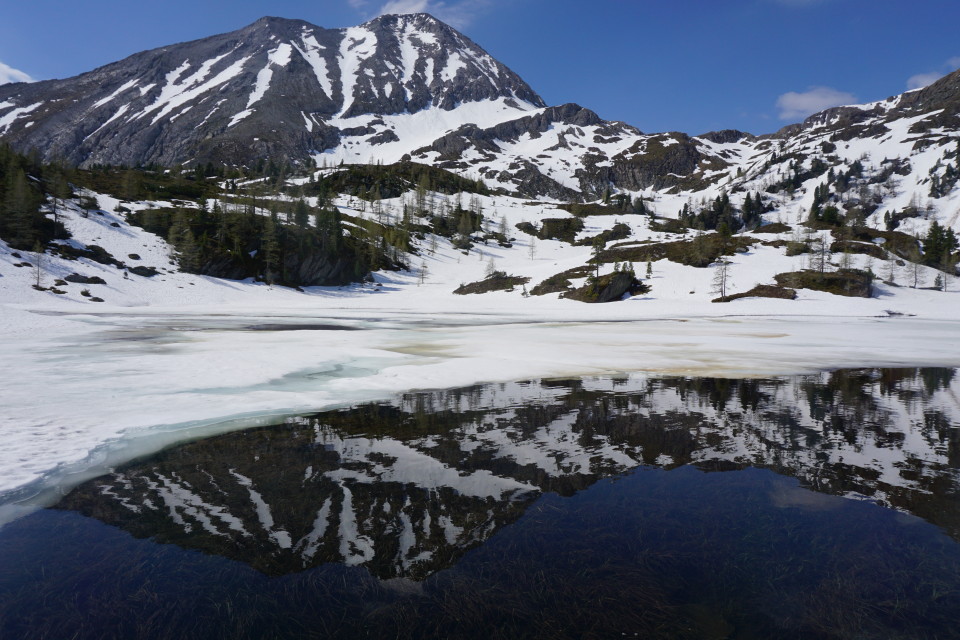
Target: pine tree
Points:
(270, 248)
(60, 191)
(130, 186)
(220, 220)
(639, 206)
(19, 207)
(189, 252)
(301, 214)
(598, 246)
(939, 243)
(178, 229)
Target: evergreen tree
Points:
(301, 214)
(938, 244)
(270, 248)
(598, 246)
(20, 207)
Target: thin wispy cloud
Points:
(458, 14)
(799, 3)
(9, 74)
(920, 80)
(793, 105)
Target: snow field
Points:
(179, 356)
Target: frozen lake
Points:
(87, 392)
(807, 506)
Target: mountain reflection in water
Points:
(405, 489)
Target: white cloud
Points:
(921, 80)
(793, 105)
(799, 3)
(9, 74)
(407, 6)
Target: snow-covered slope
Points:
(278, 87)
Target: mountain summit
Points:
(409, 87)
(276, 87)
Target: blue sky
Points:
(686, 65)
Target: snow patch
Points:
(124, 87)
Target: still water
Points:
(823, 506)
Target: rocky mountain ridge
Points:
(278, 88)
(405, 115)
(410, 87)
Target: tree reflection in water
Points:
(565, 480)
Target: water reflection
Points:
(406, 488)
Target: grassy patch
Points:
(700, 251)
(846, 282)
(620, 231)
(863, 248)
(775, 227)
(560, 282)
(563, 229)
(592, 209)
(499, 281)
(608, 288)
(667, 225)
(761, 291)
(392, 180)
(901, 244)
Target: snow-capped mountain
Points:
(275, 88)
(410, 86)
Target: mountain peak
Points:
(277, 87)
(277, 24)
(419, 17)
